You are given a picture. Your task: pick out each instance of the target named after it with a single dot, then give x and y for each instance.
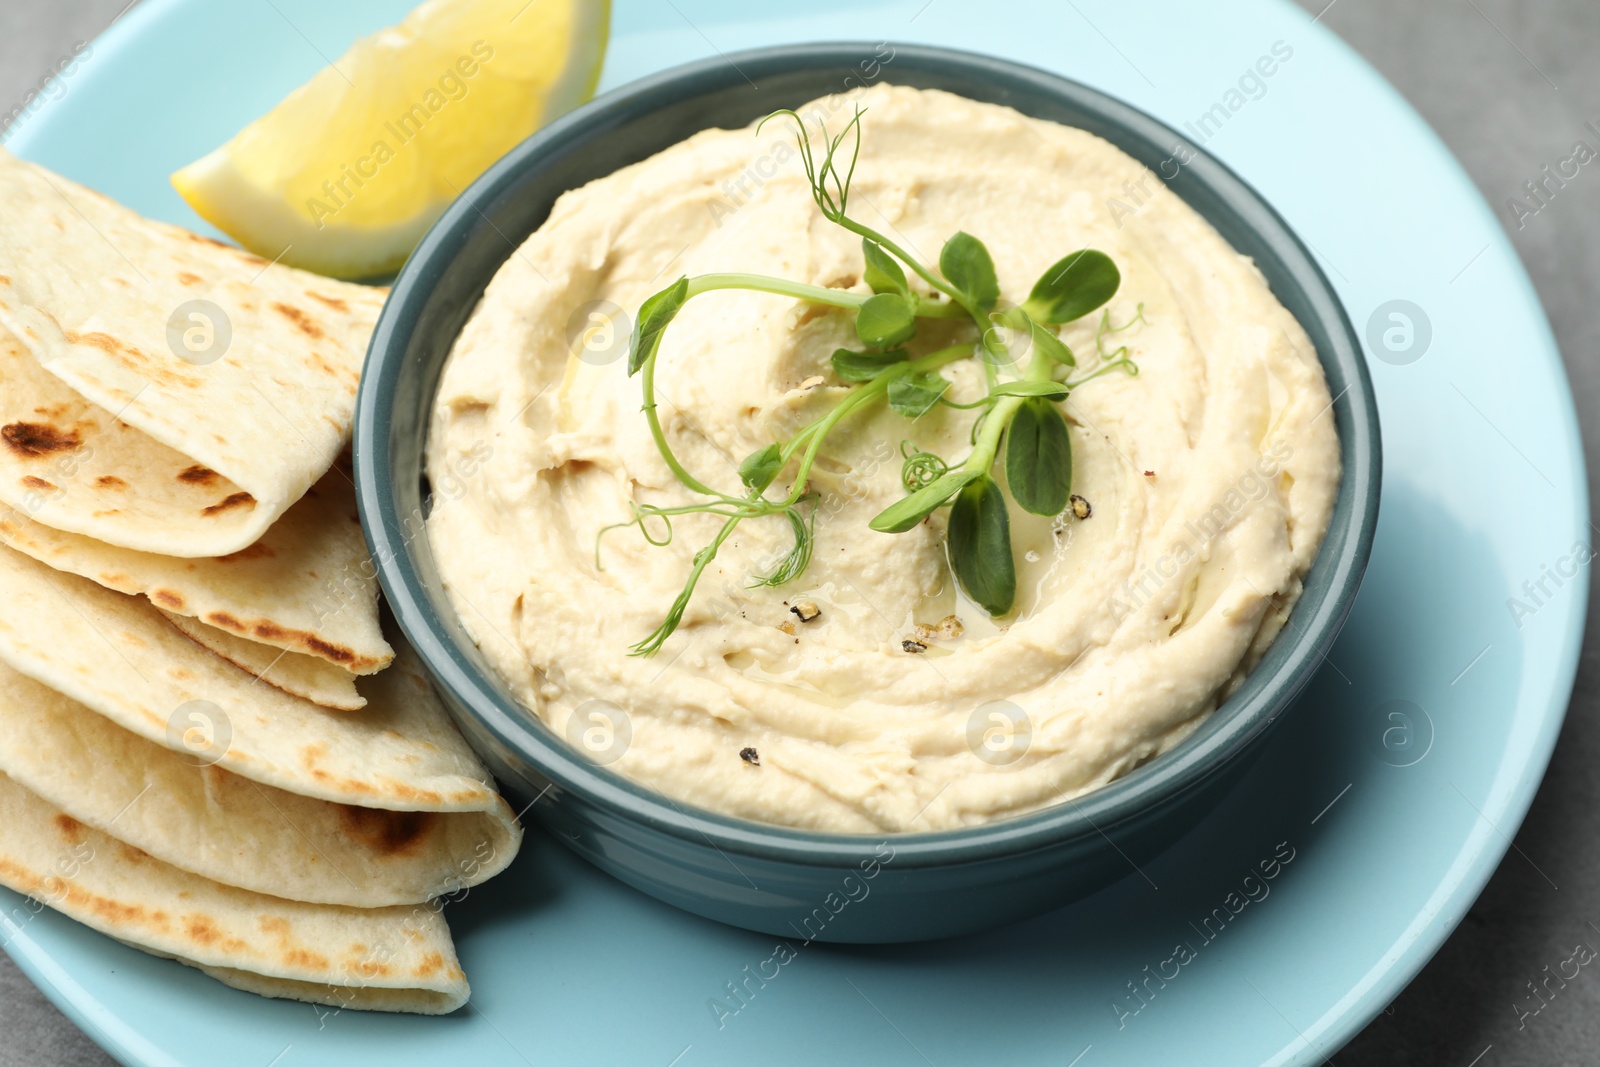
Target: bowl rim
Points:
(1226, 734)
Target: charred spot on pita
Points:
(229, 502)
(38, 439)
(197, 475)
(329, 651)
(341, 306)
(300, 320)
(389, 832)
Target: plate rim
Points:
(1461, 884)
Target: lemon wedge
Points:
(345, 175)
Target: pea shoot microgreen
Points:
(1020, 410)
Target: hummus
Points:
(1204, 484)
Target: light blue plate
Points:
(1395, 786)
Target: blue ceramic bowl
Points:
(792, 883)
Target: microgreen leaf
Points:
(883, 274)
(886, 319)
(1023, 387)
(1039, 458)
(1074, 286)
(979, 540)
(865, 366)
(1046, 341)
(913, 394)
(965, 263)
(654, 316)
(906, 512)
(760, 467)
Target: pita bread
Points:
(64, 461)
(259, 403)
(231, 830)
(306, 677)
(385, 959)
(116, 654)
(306, 586)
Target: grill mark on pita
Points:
(294, 640)
(233, 500)
(431, 964)
(299, 957)
(197, 475)
(110, 481)
(185, 278)
(38, 483)
(255, 551)
(299, 319)
(167, 598)
(114, 913)
(333, 302)
(158, 370)
(333, 652)
(70, 829)
(103, 341)
(390, 833)
(203, 930)
(38, 439)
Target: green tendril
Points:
(795, 563)
(963, 285)
(921, 469)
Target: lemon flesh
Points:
(346, 174)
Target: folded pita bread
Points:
(117, 655)
(242, 373)
(75, 466)
(382, 959)
(306, 586)
(303, 676)
(231, 830)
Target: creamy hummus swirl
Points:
(1208, 478)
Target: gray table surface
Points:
(1508, 84)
